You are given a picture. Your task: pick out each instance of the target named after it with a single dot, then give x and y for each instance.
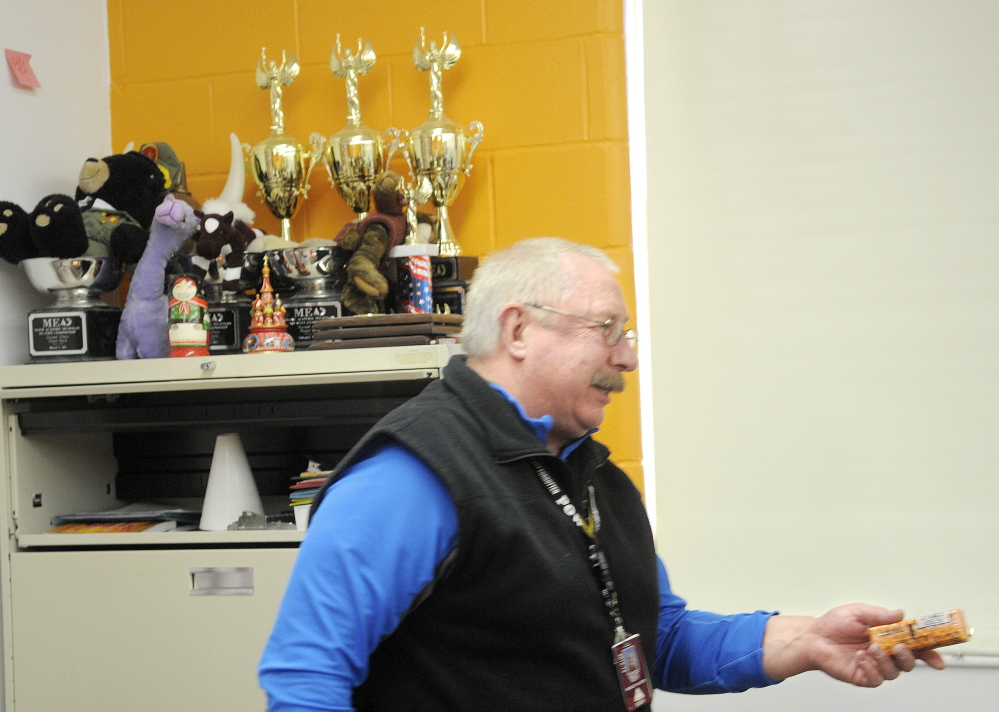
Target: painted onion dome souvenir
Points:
(268, 329)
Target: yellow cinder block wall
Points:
(547, 80)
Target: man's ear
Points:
(513, 321)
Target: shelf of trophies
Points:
(206, 283)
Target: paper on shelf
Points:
(134, 512)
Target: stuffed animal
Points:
(173, 169)
(224, 231)
(142, 332)
(223, 238)
(370, 240)
(110, 215)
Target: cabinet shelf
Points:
(246, 537)
(272, 413)
(303, 368)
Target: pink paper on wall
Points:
(20, 64)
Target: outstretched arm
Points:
(838, 644)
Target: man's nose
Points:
(623, 356)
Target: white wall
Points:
(966, 689)
(824, 257)
(46, 134)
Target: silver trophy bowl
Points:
(313, 272)
(76, 282)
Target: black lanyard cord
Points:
(590, 524)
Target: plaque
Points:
(302, 316)
(77, 335)
(229, 323)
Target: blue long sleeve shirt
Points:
(374, 547)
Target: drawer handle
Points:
(222, 581)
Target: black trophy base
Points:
(450, 297)
(453, 269)
(230, 324)
(86, 334)
(301, 317)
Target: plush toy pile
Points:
(110, 214)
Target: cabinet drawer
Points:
(128, 630)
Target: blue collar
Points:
(540, 426)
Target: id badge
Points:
(629, 660)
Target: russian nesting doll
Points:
(190, 326)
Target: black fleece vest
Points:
(516, 621)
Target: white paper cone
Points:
(231, 489)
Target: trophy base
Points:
(453, 269)
(73, 334)
(230, 324)
(414, 295)
(450, 297)
(301, 316)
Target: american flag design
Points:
(415, 294)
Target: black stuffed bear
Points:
(110, 215)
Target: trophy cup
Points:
(417, 189)
(280, 165)
(355, 155)
(78, 326)
(317, 275)
(439, 149)
(410, 263)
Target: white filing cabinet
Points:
(117, 622)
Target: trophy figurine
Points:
(439, 149)
(280, 165)
(355, 155)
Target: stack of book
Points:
(303, 490)
(385, 330)
(114, 527)
(134, 517)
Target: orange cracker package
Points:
(935, 631)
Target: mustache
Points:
(611, 381)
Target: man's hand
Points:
(838, 644)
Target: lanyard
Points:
(590, 524)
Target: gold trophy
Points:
(355, 155)
(280, 165)
(439, 149)
(417, 190)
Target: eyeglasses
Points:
(613, 330)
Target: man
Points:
(478, 551)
